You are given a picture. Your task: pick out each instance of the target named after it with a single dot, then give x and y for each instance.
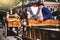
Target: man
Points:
(34, 12)
(45, 11)
(56, 15)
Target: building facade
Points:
(53, 5)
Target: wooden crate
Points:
(14, 22)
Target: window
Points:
(51, 0)
(55, 8)
(31, 1)
(35, 0)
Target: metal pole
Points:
(22, 4)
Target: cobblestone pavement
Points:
(1, 34)
(11, 38)
(7, 38)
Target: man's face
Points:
(41, 6)
(34, 5)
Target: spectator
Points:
(33, 11)
(45, 11)
(56, 15)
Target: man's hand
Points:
(41, 15)
(41, 19)
(29, 15)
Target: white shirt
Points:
(34, 10)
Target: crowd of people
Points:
(35, 11)
(39, 12)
